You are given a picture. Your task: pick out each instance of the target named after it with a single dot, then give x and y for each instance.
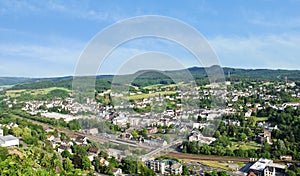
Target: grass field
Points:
(143, 96)
(217, 164)
(213, 164)
(171, 85)
(153, 86)
(16, 93)
(162, 86)
(260, 119)
(247, 146)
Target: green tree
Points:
(16, 131)
(222, 173)
(127, 125)
(217, 134)
(242, 137)
(77, 162)
(129, 166)
(73, 125)
(144, 132)
(166, 138)
(291, 173)
(3, 153)
(134, 134)
(184, 150)
(66, 154)
(251, 121)
(103, 154)
(46, 161)
(86, 163)
(68, 165)
(185, 170)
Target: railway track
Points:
(215, 158)
(74, 134)
(171, 154)
(205, 157)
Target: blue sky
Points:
(45, 38)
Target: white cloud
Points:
(284, 23)
(42, 53)
(270, 51)
(74, 9)
(38, 61)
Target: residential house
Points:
(67, 143)
(92, 131)
(62, 148)
(104, 161)
(117, 171)
(50, 137)
(293, 104)
(118, 154)
(152, 130)
(120, 120)
(264, 137)
(197, 136)
(176, 169)
(94, 151)
(199, 125)
(80, 140)
(248, 113)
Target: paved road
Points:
(160, 149)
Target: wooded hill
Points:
(146, 78)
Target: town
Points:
(154, 125)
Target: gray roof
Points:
(8, 138)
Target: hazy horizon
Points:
(72, 75)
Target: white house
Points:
(120, 120)
(9, 140)
(197, 136)
(117, 171)
(248, 113)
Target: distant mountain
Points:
(267, 74)
(4, 81)
(262, 74)
(151, 77)
(13, 80)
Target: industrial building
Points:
(266, 167)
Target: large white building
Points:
(9, 140)
(165, 166)
(266, 167)
(197, 136)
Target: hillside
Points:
(4, 81)
(146, 78)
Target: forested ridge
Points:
(147, 78)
